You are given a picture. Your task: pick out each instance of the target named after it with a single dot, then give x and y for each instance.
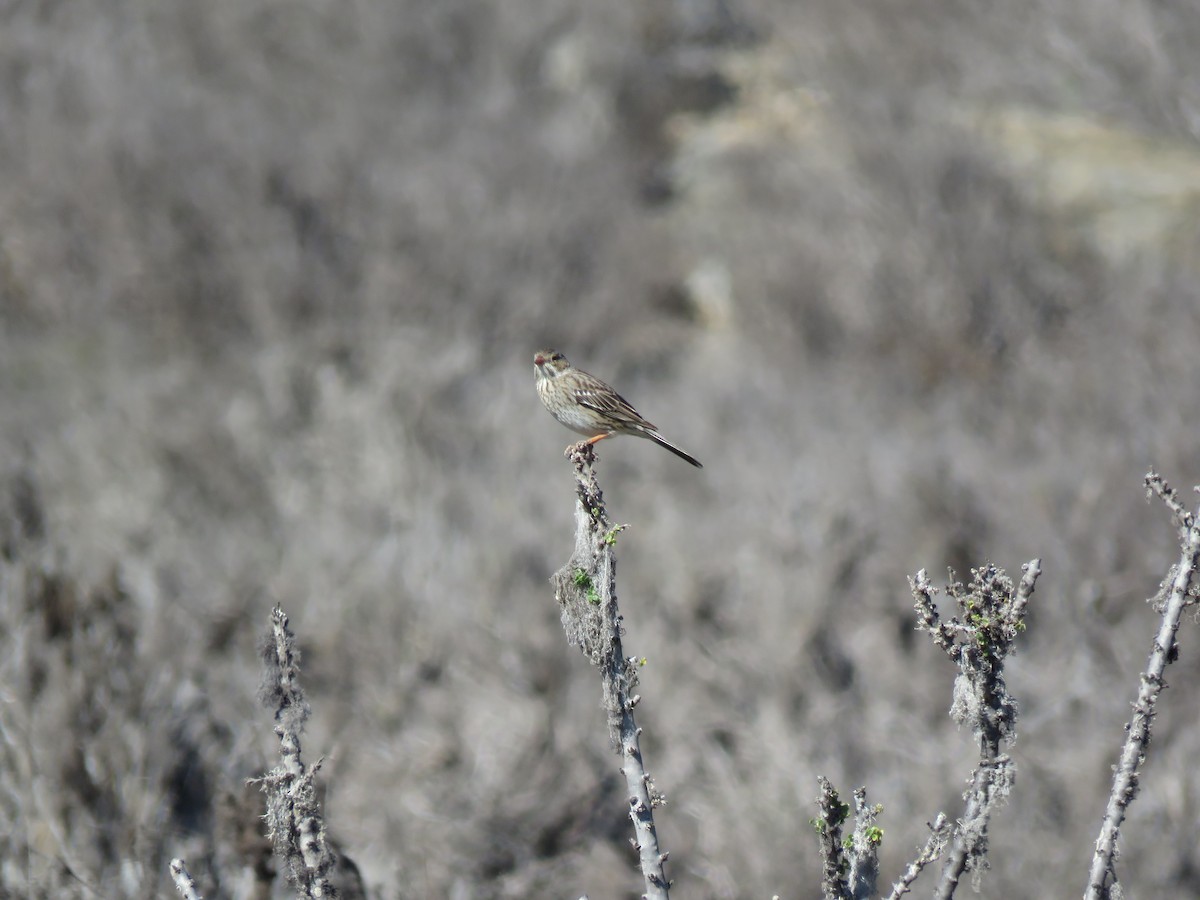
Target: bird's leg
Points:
(586, 443)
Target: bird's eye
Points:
(556, 357)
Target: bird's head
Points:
(549, 363)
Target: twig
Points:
(587, 594)
(1102, 879)
(828, 825)
(184, 883)
(294, 819)
(864, 847)
(939, 835)
(979, 639)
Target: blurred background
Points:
(918, 282)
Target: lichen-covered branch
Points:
(587, 594)
(850, 867)
(1179, 593)
(294, 820)
(864, 847)
(990, 616)
(184, 882)
(939, 835)
(828, 825)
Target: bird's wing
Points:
(609, 403)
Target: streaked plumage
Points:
(588, 406)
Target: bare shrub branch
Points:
(828, 824)
(939, 835)
(849, 867)
(184, 883)
(294, 820)
(1179, 593)
(978, 639)
(586, 591)
(864, 847)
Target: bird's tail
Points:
(663, 442)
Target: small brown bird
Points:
(587, 405)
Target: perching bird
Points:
(587, 405)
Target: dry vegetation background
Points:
(917, 282)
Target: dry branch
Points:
(1177, 587)
(294, 820)
(939, 835)
(991, 614)
(586, 591)
(184, 882)
(849, 868)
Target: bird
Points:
(587, 405)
